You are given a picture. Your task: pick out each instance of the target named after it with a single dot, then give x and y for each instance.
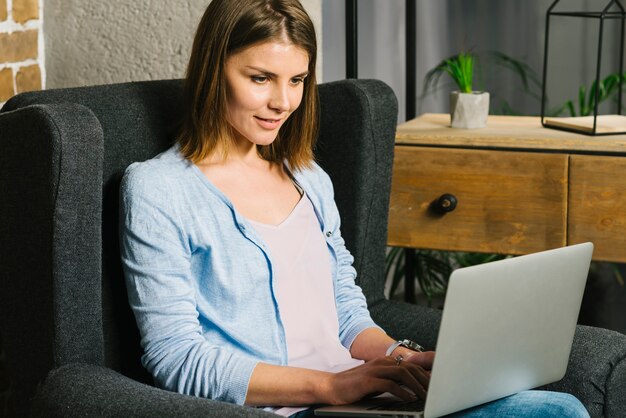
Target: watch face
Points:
(412, 345)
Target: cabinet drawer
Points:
(598, 205)
(508, 202)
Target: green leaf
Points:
(618, 275)
(607, 88)
(458, 67)
(582, 94)
(395, 260)
(611, 83)
(506, 109)
(526, 74)
(432, 268)
(591, 99)
(570, 106)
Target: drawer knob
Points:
(446, 203)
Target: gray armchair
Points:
(70, 338)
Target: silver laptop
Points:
(507, 326)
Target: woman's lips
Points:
(268, 123)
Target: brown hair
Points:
(228, 27)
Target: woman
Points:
(241, 285)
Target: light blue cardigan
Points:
(199, 278)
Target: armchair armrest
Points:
(405, 320)
(50, 212)
(83, 390)
(596, 373)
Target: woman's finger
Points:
(409, 375)
(395, 389)
(422, 375)
(424, 359)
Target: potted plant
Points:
(432, 270)
(468, 108)
(609, 88)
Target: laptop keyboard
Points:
(408, 406)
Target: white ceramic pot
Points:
(469, 110)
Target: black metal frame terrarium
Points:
(596, 124)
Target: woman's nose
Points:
(280, 99)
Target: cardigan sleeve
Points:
(156, 257)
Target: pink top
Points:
(304, 291)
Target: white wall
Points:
(100, 42)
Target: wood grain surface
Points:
(508, 202)
(597, 205)
(504, 132)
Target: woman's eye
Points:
(259, 79)
(298, 80)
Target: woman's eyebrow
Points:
(271, 74)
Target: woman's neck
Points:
(237, 153)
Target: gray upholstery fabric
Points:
(137, 121)
(49, 236)
(363, 137)
(63, 308)
(106, 393)
(596, 372)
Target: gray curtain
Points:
(446, 27)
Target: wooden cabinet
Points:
(597, 204)
(518, 188)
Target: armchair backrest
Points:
(62, 155)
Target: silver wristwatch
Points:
(411, 345)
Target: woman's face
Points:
(265, 84)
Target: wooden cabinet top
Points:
(504, 132)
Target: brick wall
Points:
(21, 47)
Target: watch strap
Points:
(392, 347)
(411, 345)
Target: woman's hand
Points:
(292, 386)
(406, 379)
(423, 359)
